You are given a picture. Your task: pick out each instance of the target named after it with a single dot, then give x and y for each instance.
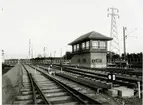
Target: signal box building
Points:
(90, 50)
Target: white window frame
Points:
(74, 48)
(87, 45)
(102, 44)
(83, 45)
(77, 47)
(96, 44)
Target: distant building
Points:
(24, 61)
(11, 61)
(49, 60)
(90, 50)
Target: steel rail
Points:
(104, 77)
(117, 81)
(35, 86)
(33, 90)
(41, 93)
(32, 85)
(74, 92)
(84, 99)
(68, 90)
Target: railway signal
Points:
(111, 77)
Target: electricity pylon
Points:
(114, 44)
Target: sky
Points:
(55, 23)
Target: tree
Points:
(113, 56)
(68, 55)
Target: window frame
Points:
(102, 47)
(87, 47)
(83, 43)
(75, 49)
(97, 44)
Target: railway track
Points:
(102, 77)
(119, 76)
(118, 71)
(128, 71)
(40, 88)
(121, 79)
(88, 88)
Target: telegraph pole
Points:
(54, 53)
(114, 44)
(61, 52)
(61, 62)
(29, 49)
(124, 41)
(44, 52)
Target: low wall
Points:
(11, 84)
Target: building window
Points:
(102, 45)
(74, 47)
(95, 44)
(84, 60)
(83, 45)
(87, 45)
(77, 46)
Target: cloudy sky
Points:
(55, 23)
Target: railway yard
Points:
(85, 79)
(66, 85)
(71, 52)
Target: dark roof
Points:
(91, 35)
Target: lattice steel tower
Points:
(30, 49)
(114, 44)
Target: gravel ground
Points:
(11, 83)
(129, 101)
